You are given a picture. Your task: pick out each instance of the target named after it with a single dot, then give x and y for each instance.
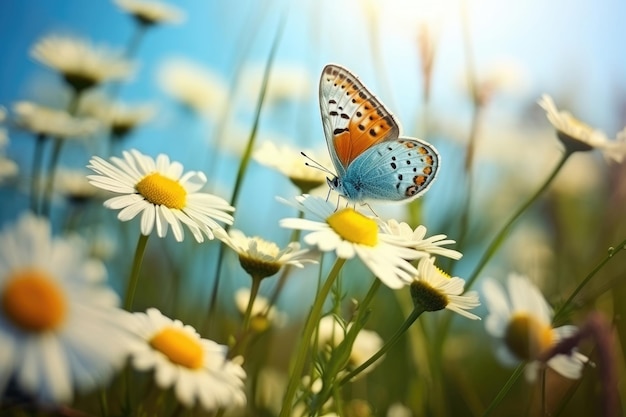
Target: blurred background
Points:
(449, 71)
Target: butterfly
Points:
(372, 161)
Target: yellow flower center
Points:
(179, 347)
(161, 190)
(354, 227)
(33, 302)
(526, 337)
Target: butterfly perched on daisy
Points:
(371, 159)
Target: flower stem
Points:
(417, 311)
(57, 144)
(305, 342)
(134, 274)
(611, 252)
(35, 180)
(505, 389)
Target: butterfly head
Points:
(335, 184)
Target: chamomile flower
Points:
(578, 136)
(263, 314)
(351, 234)
(520, 318)
(434, 290)
(151, 12)
(120, 118)
(42, 120)
(196, 368)
(163, 195)
(81, 64)
(290, 162)
(60, 330)
(261, 258)
(430, 245)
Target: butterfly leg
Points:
(371, 209)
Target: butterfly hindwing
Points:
(395, 170)
(354, 119)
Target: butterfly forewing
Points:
(353, 118)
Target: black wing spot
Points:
(331, 101)
(344, 116)
(400, 177)
(408, 162)
(361, 128)
(359, 114)
(393, 158)
(393, 165)
(362, 95)
(339, 131)
(373, 133)
(334, 113)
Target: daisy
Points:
(150, 13)
(47, 121)
(81, 64)
(194, 86)
(434, 290)
(417, 238)
(121, 118)
(60, 330)
(349, 233)
(578, 136)
(521, 321)
(290, 162)
(163, 195)
(262, 312)
(261, 258)
(196, 368)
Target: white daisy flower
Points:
(349, 233)
(81, 64)
(430, 246)
(60, 330)
(521, 320)
(73, 184)
(196, 368)
(290, 162)
(163, 195)
(8, 169)
(47, 121)
(435, 290)
(263, 314)
(120, 118)
(194, 86)
(578, 136)
(261, 258)
(151, 12)
(286, 82)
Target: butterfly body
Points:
(371, 160)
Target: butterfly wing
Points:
(396, 170)
(354, 119)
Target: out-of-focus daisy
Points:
(197, 369)
(349, 233)
(430, 246)
(290, 162)
(366, 343)
(194, 86)
(399, 410)
(121, 118)
(47, 121)
(74, 186)
(151, 12)
(60, 330)
(261, 258)
(8, 169)
(81, 64)
(286, 82)
(262, 314)
(578, 136)
(163, 195)
(434, 290)
(520, 318)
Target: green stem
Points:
(611, 252)
(245, 160)
(134, 274)
(35, 180)
(305, 342)
(417, 311)
(57, 145)
(505, 389)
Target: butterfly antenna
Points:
(316, 165)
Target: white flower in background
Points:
(521, 319)
(8, 169)
(194, 86)
(263, 314)
(350, 234)
(399, 410)
(418, 240)
(197, 369)
(41, 120)
(60, 330)
(151, 12)
(286, 82)
(290, 162)
(162, 193)
(74, 186)
(262, 258)
(82, 64)
(121, 118)
(578, 136)
(435, 290)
